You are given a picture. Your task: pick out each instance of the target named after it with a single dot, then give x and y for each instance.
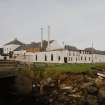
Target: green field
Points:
(73, 68)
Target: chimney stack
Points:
(41, 37)
(48, 36)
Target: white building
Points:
(58, 54)
(11, 46)
(55, 53)
(7, 50)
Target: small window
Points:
(81, 58)
(45, 58)
(71, 59)
(51, 57)
(59, 58)
(89, 58)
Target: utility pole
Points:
(41, 38)
(92, 52)
(48, 37)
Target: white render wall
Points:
(97, 58)
(1, 57)
(8, 48)
(77, 57)
(41, 56)
(72, 57)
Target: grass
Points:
(75, 68)
(54, 70)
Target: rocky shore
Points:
(71, 89)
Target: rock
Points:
(92, 90)
(85, 85)
(101, 74)
(65, 87)
(102, 92)
(98, 82)
(92, 100)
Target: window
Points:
(36, 57)
(59, 58)
(71, 58)
(89, 58)
(81, 58)
(45, 58)
(51, 57)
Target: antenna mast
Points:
(48, 37)
(41, 37)
(92, 51)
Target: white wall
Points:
(56, 55)
(97, 58)
(1, 57)
(31, 57)
(8, 48)
(77, 57)
(72, 57)
(21, 52)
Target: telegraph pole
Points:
(92, 52)
(41, 38)
(48, 37)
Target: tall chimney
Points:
(48, 36)
(41, 37)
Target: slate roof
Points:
(94, 51)
(15, 41)
(34, 45)
(72, 48)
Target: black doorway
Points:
(65, 59)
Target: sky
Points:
(74, 22)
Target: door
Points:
(65, 59)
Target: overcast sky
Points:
(76, 22)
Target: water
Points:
(10, 96)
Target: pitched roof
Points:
(93, 50)
(69, 47)
(15, 41)
(34, 45)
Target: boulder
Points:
(98, 82)
(92, 90)
(102, 92)
(92, 100)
